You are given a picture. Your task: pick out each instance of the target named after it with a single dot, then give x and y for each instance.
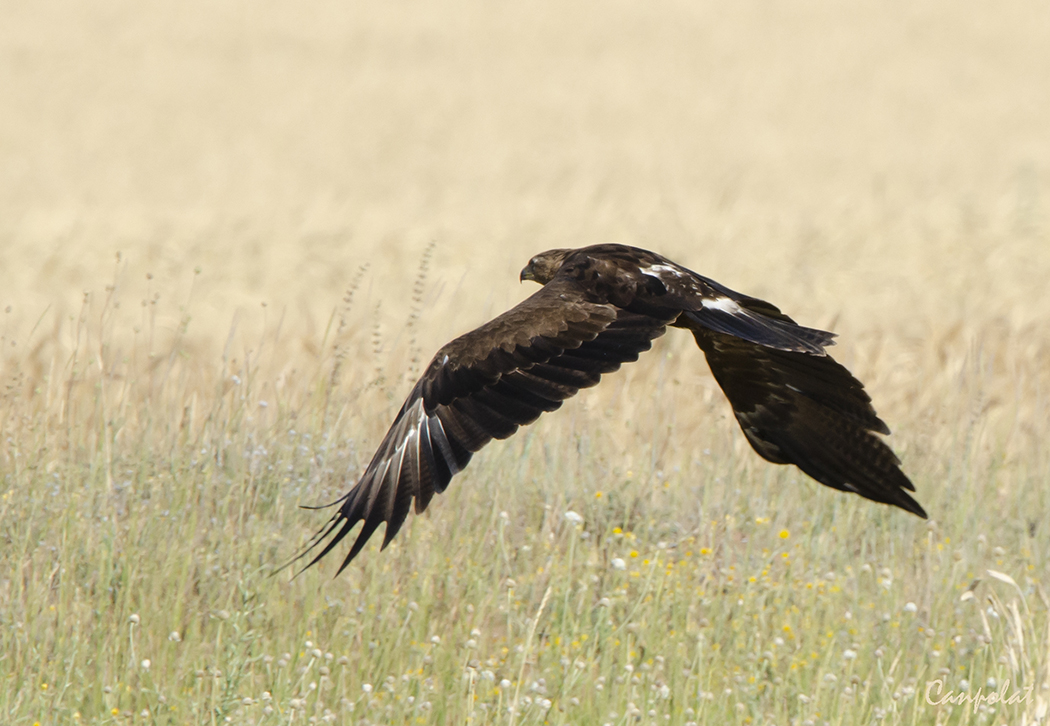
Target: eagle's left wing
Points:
(808, 410)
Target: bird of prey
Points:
(599, 307)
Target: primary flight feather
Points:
(600, 307)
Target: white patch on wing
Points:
(655, 270)
(416, 414)
(395, 472)
(721, 303)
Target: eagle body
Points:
(598, 308)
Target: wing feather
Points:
(510, 404)
(429, 475)
(555, 389)
(567, 377)
(454, 456)
(487, 421)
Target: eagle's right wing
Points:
(481, 386)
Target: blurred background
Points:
(231, 233)
(883, 161)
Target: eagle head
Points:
(543, 267)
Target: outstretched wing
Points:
(808, 410)
(481, 386)
(795, 404)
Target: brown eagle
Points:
(600, 307)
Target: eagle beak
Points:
(526, 273)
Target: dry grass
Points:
(306, 206)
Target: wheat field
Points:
(231, 236)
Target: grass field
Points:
(230, 241)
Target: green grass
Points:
(150, 495)
(878, 170)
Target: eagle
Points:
(598, 308)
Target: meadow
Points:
(209, 318)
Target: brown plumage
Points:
(600, 307)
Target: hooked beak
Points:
(527, 273)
